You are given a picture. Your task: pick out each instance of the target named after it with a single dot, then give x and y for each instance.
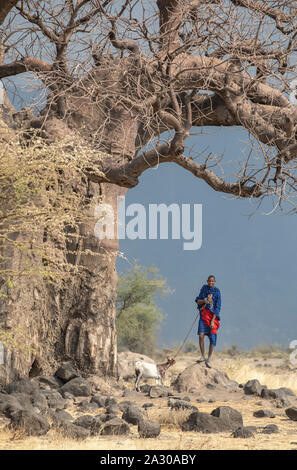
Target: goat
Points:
(151, 371)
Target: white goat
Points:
(151, 371)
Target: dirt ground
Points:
(274, 372)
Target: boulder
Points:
(123, 405)
(159, 391)
(88, 407)
(253, 387)
(126, 363)
(23, 398)
(54, 399)
(110, 401)
(115, 427)
(49, 381)
(277, 393)
(283, 403)
(86, 421)
(132, 414)
(113, 409)
(72, 431)
(22, 386)
(242, 432)
(147, 405)
(9, 404)
(230, 416)
(99, 400)
(33, 424)
(181, 405)
(148, 429)
(270, 429)
(78, 387)
(66, 372)
(292, 413)
(96, 425)
(194, 379)
(264, 414)
(60, 417)
(39, 401)
(133, 393)
(204, 422)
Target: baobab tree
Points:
(130, 80)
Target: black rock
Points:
(39, 401)
(88, 407)
(99, 400)
(115, 427)
(52, 382)
(22, 386)
(96, 426)
(66, 373)
(147, 405)
(292, 413)
(123, 405)
(148, 429)
(132, 414)
(210, 386)
(283, 403)
(270, 429)
(145, 388)
(86, 421)
(33, 424)
(72, 431)
(264, 414)
(9, 404)
(158, 391)
(54, 399)
(277, 393)
(110, 401)
(230, 416)
(242, 432)
(113, 409)
(253, 387)
(60, 416)
(181, 405)
(204, 422)
(78, 387)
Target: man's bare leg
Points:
(201, 344)
(210, 351)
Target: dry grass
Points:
(171, 437)
(243, 370)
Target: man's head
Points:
(211, 280)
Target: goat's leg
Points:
(138, 377)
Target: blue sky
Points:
(253, 258)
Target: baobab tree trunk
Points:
(75, 319)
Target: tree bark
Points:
(73, 321)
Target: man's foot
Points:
(202, 359)
(208, 364)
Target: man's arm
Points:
(217, 306)
(200, 299)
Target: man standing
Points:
(209, 304)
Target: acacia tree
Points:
(133, 79)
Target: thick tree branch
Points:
(28, 64)
(5, 7)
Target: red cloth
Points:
(207, 317)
